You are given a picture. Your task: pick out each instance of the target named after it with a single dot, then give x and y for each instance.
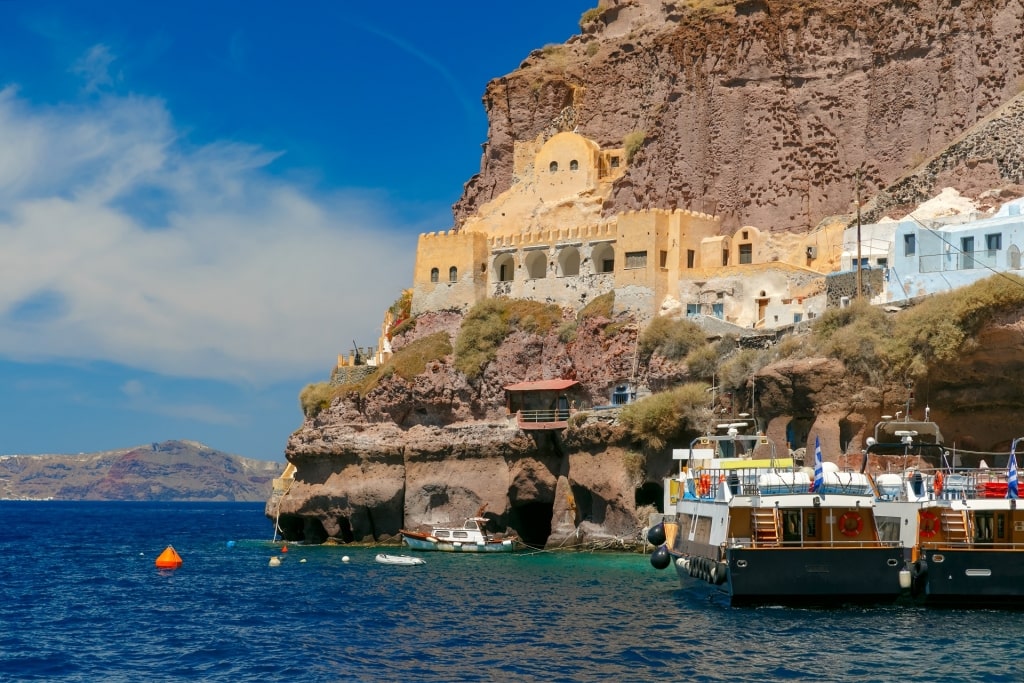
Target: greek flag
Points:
(819, 472)
(1011, 473)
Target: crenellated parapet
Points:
(541, 238)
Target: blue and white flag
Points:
(1011, 474)
(819, 471)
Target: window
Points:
(882, 263)
(636, 259)
(994, 242)
(663, 259)
(553, 166)
(691, 256)
(574, 165)
(453, 274)
(746, 253)
(692, 310)
(615, 162)
(909, 245)
(718, 310)
(434, 274)
(967, 249)
(725, 257)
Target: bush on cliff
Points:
(660, 417)
(941, 328)
(490, 321)
(673, 338)
(316, 397)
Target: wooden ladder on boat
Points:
(954, 522)
(766, 527)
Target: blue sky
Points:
(202, 204)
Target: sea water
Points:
(81, 600)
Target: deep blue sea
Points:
(81, 600)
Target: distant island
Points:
(166, 471)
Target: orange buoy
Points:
(169, 559)
(284, 549)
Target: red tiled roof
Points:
(543, 385)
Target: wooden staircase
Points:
(765, 524)
(954, 523)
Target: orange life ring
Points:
(928, 524)
(937, 484)
(705, 484)
(851, 524)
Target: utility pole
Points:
(860, 277)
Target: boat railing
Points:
(944, 483)
(818, 543)
(741, 481)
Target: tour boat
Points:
(759, 530)
(471, 537)
(966, 534)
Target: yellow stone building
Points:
(546, 239)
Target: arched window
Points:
(603, 258)
(536, 265)
(434, 274)
(574, 165)
(553, 166)
(505, 268)
(453, 274)
(569, 262)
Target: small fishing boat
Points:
(402, 560)
(759, 530)
(471, 537)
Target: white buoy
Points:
(275, 562)
(344, 558)
(302, 560)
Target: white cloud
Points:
(94, 68)
(131, 247)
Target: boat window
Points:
(812, 524)
(983, 527)
(791, 526)
(441, 534)
(460, 534)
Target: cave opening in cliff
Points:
(651, 493)
(313, 530)
(290, 528)
(532, 521)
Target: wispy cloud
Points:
(123, 243)
(94, 68)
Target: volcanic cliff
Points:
(761, 112)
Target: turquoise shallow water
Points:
(81, 600)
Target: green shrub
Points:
(598, 307)
(736, 370)
(672, 338)
(411, 360)
(633, 142)
(591, 15)
(656, 419)
(317, 397)
(567, 332)
(635, 465)
(944, 326)
(490, 321)
(702, 361)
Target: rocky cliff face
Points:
(762, 111)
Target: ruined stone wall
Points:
(839, 285)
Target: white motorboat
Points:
(402, 560)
